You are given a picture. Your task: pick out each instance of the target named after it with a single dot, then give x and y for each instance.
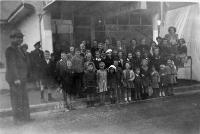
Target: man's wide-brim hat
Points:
(16, 33)
(37, 43)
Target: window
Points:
(111, 20)
(135, 19)
(123, 20)
(82, 21)
(146, 20)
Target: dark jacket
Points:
(109, 61)
(90, 79)
(17, 64)
(37, 63)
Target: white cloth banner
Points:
(187, 23)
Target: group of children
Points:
(121, 79)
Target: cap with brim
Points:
(37, 43)
(16, 33)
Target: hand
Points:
(17, 82)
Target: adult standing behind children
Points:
(38, 63)
(16, 76)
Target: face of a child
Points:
(118, 43)
(169, 62)
(159, 40)
(114, 52)
(130, 56)
(82, 46)
(116, 63)
(144, 62)
(89, 57)
(156, 51)
(97, 55)
(127, 65)
(90, 67)
(112, 70)
(133, 42)
(47, 55)
(69, 64)
(63, 56)
(137, 71)
(77, 53)
(153, 44)
(138, 54)
(171, 30)
(100, 46)
(71, 49)
(101, 66)
(95, 43)
(107, 41)
(109, 54)
(103, 56)
(120, 54)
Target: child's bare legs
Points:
(102, 98)
(117, 95)
(126, 94)
(129, 94)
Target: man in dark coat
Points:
(38, 67)
(16, 76)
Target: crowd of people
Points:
(110, 70)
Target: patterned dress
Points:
(102, 80)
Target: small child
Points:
(102, 82)
(138, 84)
(112, 83)
(119, 78)
(90, 84)
(97, 59)
(163, 80)
(127, 80)
(130, 60)
(172, 72)
(155, 80)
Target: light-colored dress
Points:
(128, 77)
(102, 80)
(172, 38)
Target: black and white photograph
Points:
(100, 67)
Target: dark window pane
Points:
(99, 27)
(100, 36)
(123, 19)
(82, 21)
(146, 20)
(111, 20)
(135, 19)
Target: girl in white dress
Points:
(102, 82)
